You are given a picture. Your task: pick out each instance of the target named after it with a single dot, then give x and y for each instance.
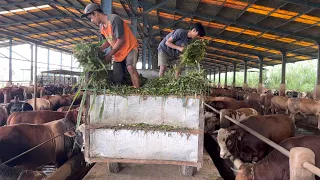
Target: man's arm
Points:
(170, 44)
(104, 46)
(117, 45)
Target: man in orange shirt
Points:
(119, 36)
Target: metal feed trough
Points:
(117, 138)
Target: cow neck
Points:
(52, 135)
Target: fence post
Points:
(299, 155)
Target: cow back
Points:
(35, 117)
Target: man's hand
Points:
(108, 58)
(180, 49)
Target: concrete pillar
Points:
(317, 87)
(226, 78)
(283, 74)
(245, 85)
(31, 68)
(144, 43)
(219, 79)
(150, 63)
(260, 74)
(299, 155)
(234, 75)
(10, 60)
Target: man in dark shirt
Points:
(173, 44)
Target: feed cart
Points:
(145, 129)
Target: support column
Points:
(35, 78)
(106, 6)
(245, 85)
(150, 63)
(317, 87)
(144, 43)
(283, 74)
(31, 68)
(134, 19)
(260, 74)
(48, 66)
(10, 60)
(226, 78)
(234, 75)
(219, 82)
(214, 78)
(60, 77)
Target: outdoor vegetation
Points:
(300, 76)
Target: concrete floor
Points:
(153, 172)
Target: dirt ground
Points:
(153, 172)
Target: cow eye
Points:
(229, 142)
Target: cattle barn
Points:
(235, 132)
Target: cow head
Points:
(226, 140)
(78, 137)
(245, 172)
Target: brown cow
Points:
(240, 143)
(58, 101)
(267, 104)
(279, 103)
(66, 108)
(19, 138)
(40, 117)
(3, 116)
(9, 173)
(42, 104)
(230, 103)
(304, 107)
(275, 166)
(238, 114)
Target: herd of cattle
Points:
(271, 116)
(24, 126)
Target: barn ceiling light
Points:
(24, 9)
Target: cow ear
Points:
(240, 136)
(70, 134)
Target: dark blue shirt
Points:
(180, 38)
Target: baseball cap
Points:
(90, 8)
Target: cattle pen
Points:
(39, 72)
(302, 163)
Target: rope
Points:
(285, 152)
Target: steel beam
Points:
(283, 69)
(318, 66)
(225, 77)
(35, 84)
(260, 69)
(60, 67)
(11, 34)
(31, 68)
(150, 65)
(48, 64)
(303, 3)
(155, 6)
(245, 71)
(226, 20)
(144, 43)
(169, 25)
(106, 6)
(134, 19)
(10, 59)
(219, 77)
(214, 75)
(234, 73)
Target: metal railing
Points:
(306, 165)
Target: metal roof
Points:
(237, 29)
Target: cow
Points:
(275, 165)
(210, 122)
(42, 104)
(267, 104)
(231, 103)
(17, 106)
(238, 114)
(3, 116)
(9, 173)
(58, 101)
(66, 108)
(304, 107)
(40, 117)
(279, 103)
(240, 143)
(19, 138)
